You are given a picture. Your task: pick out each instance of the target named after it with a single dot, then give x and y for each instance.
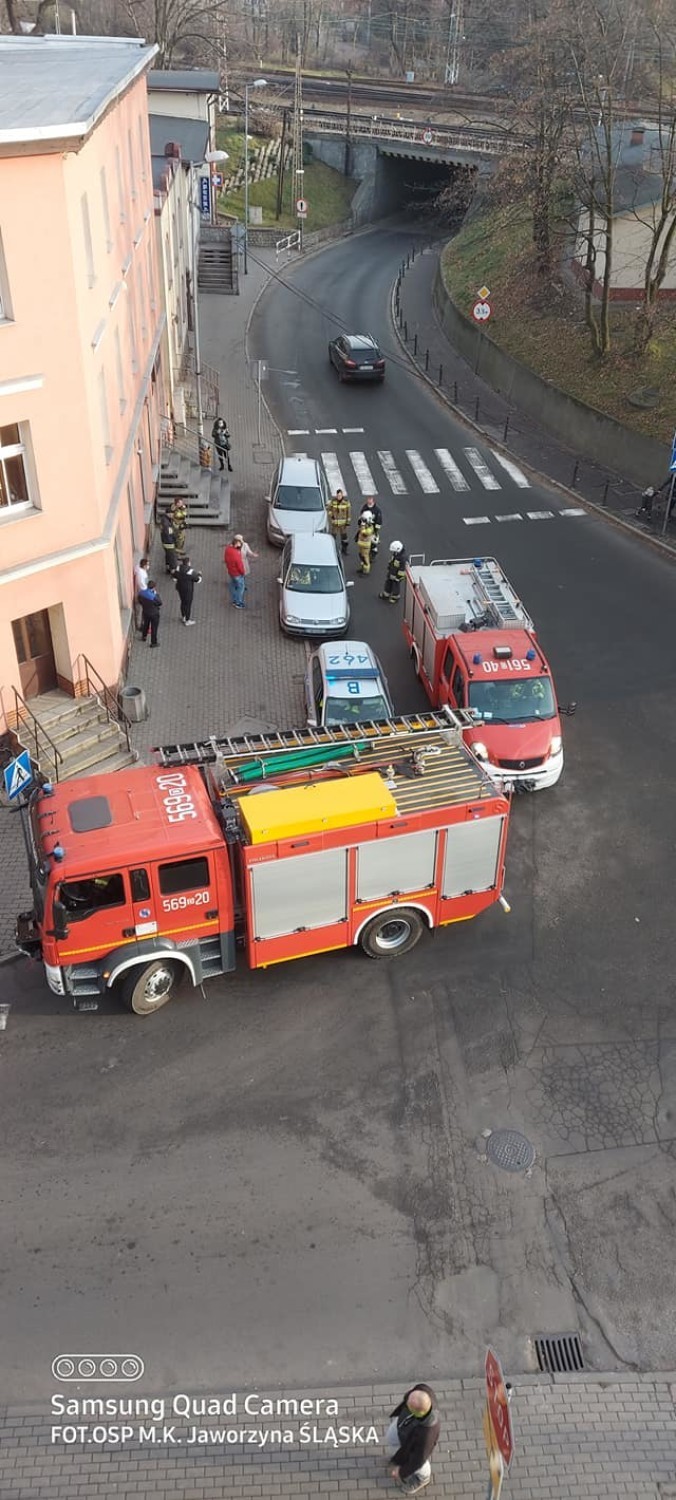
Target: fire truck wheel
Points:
(148, 991)
(392, 932)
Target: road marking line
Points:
(391, 472)
(324, 431)
(572, 512)
(4, 1016)
(512, 469)
(482, 470)
(451, 469)
(515, 516)
(477, 520)
(334, 477)
(352, 429)
(540, 515)
(298, 432)
(365, 478)
(426, 480)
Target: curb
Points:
(665, 549)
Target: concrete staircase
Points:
(205, 494)
(86, 739)
(217, 264)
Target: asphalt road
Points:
(283, 1183)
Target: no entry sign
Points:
(498, 1407)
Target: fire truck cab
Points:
(474, 648)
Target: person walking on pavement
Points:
(151, 605)
(372, 504)
(185, 579)
(179, 521)
(364, 540)
(168, 539)
(411, 1438)
(340, 517)
(247, 554)
(236, 571)
(222, 443)
(396, 568)
(140, 582)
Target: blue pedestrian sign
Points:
(18, 775)
(205, 197)
(672, 462)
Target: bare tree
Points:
(659, 216)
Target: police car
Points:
(345, 684)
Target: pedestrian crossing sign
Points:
(18, 775)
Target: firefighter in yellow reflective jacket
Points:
(365, 538)
(179, 521)
(340, 516)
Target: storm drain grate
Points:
(510, 1150)
(559, 1353)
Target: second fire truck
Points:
(474, 648)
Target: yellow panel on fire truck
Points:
(341, 803)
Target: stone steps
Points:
(86, 739)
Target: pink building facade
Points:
(81, 324)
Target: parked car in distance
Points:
(313, 592)
(346, 684)
(298, 499)
(356, 356)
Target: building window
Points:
(122, 586)
(89, 247)
(5, 304)
(167, 260)
(14, 491)
(106, 209)
(132, 333)
(142, 302)
(122, 205)
(151, 283)
(119, 370)
(105, 422)
(132, 173)
(143, 147)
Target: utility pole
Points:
(280, 169)
(298, 169)
(348, 122)
(455, 25)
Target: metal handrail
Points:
(116, 713)
(36, 729)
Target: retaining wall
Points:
(589, 432)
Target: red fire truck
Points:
(474, 648)
(284, 844)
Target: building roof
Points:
(634, 188)
(191, 135)
(57, 87)
(184, 81)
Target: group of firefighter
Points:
(367, 537)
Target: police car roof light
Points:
(352, 674)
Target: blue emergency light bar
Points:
(352, 674)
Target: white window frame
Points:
(105, 417)
(17, 450)
(120, 185)
(119, 368)
(88, 241)
(142, 139)
(106, 209)
(6, 314)
(132, 168)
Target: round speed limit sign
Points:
(481, 311)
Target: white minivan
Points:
(298, 499)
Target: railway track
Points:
(384, 91)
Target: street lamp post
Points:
(258, 83)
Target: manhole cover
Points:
(510, 1150)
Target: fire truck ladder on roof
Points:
(389, 731)
(503, 604)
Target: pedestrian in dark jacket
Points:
(151, 605)
(411, 1438)
(372, 504)
(168, 539)
(185, 580)
(222, 442)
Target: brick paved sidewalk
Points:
(430, 350)
(577, 1438)
(235, 670)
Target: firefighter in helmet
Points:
(372, 505)
(396, 567)
(179, 520)
(364, 539)
(340, 516)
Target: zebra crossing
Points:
(381, 471)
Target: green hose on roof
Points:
(297, 760)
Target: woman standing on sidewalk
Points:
(247, 553)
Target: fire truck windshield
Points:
(513, 700)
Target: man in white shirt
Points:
(140, 582)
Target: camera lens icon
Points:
(101, 1367)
